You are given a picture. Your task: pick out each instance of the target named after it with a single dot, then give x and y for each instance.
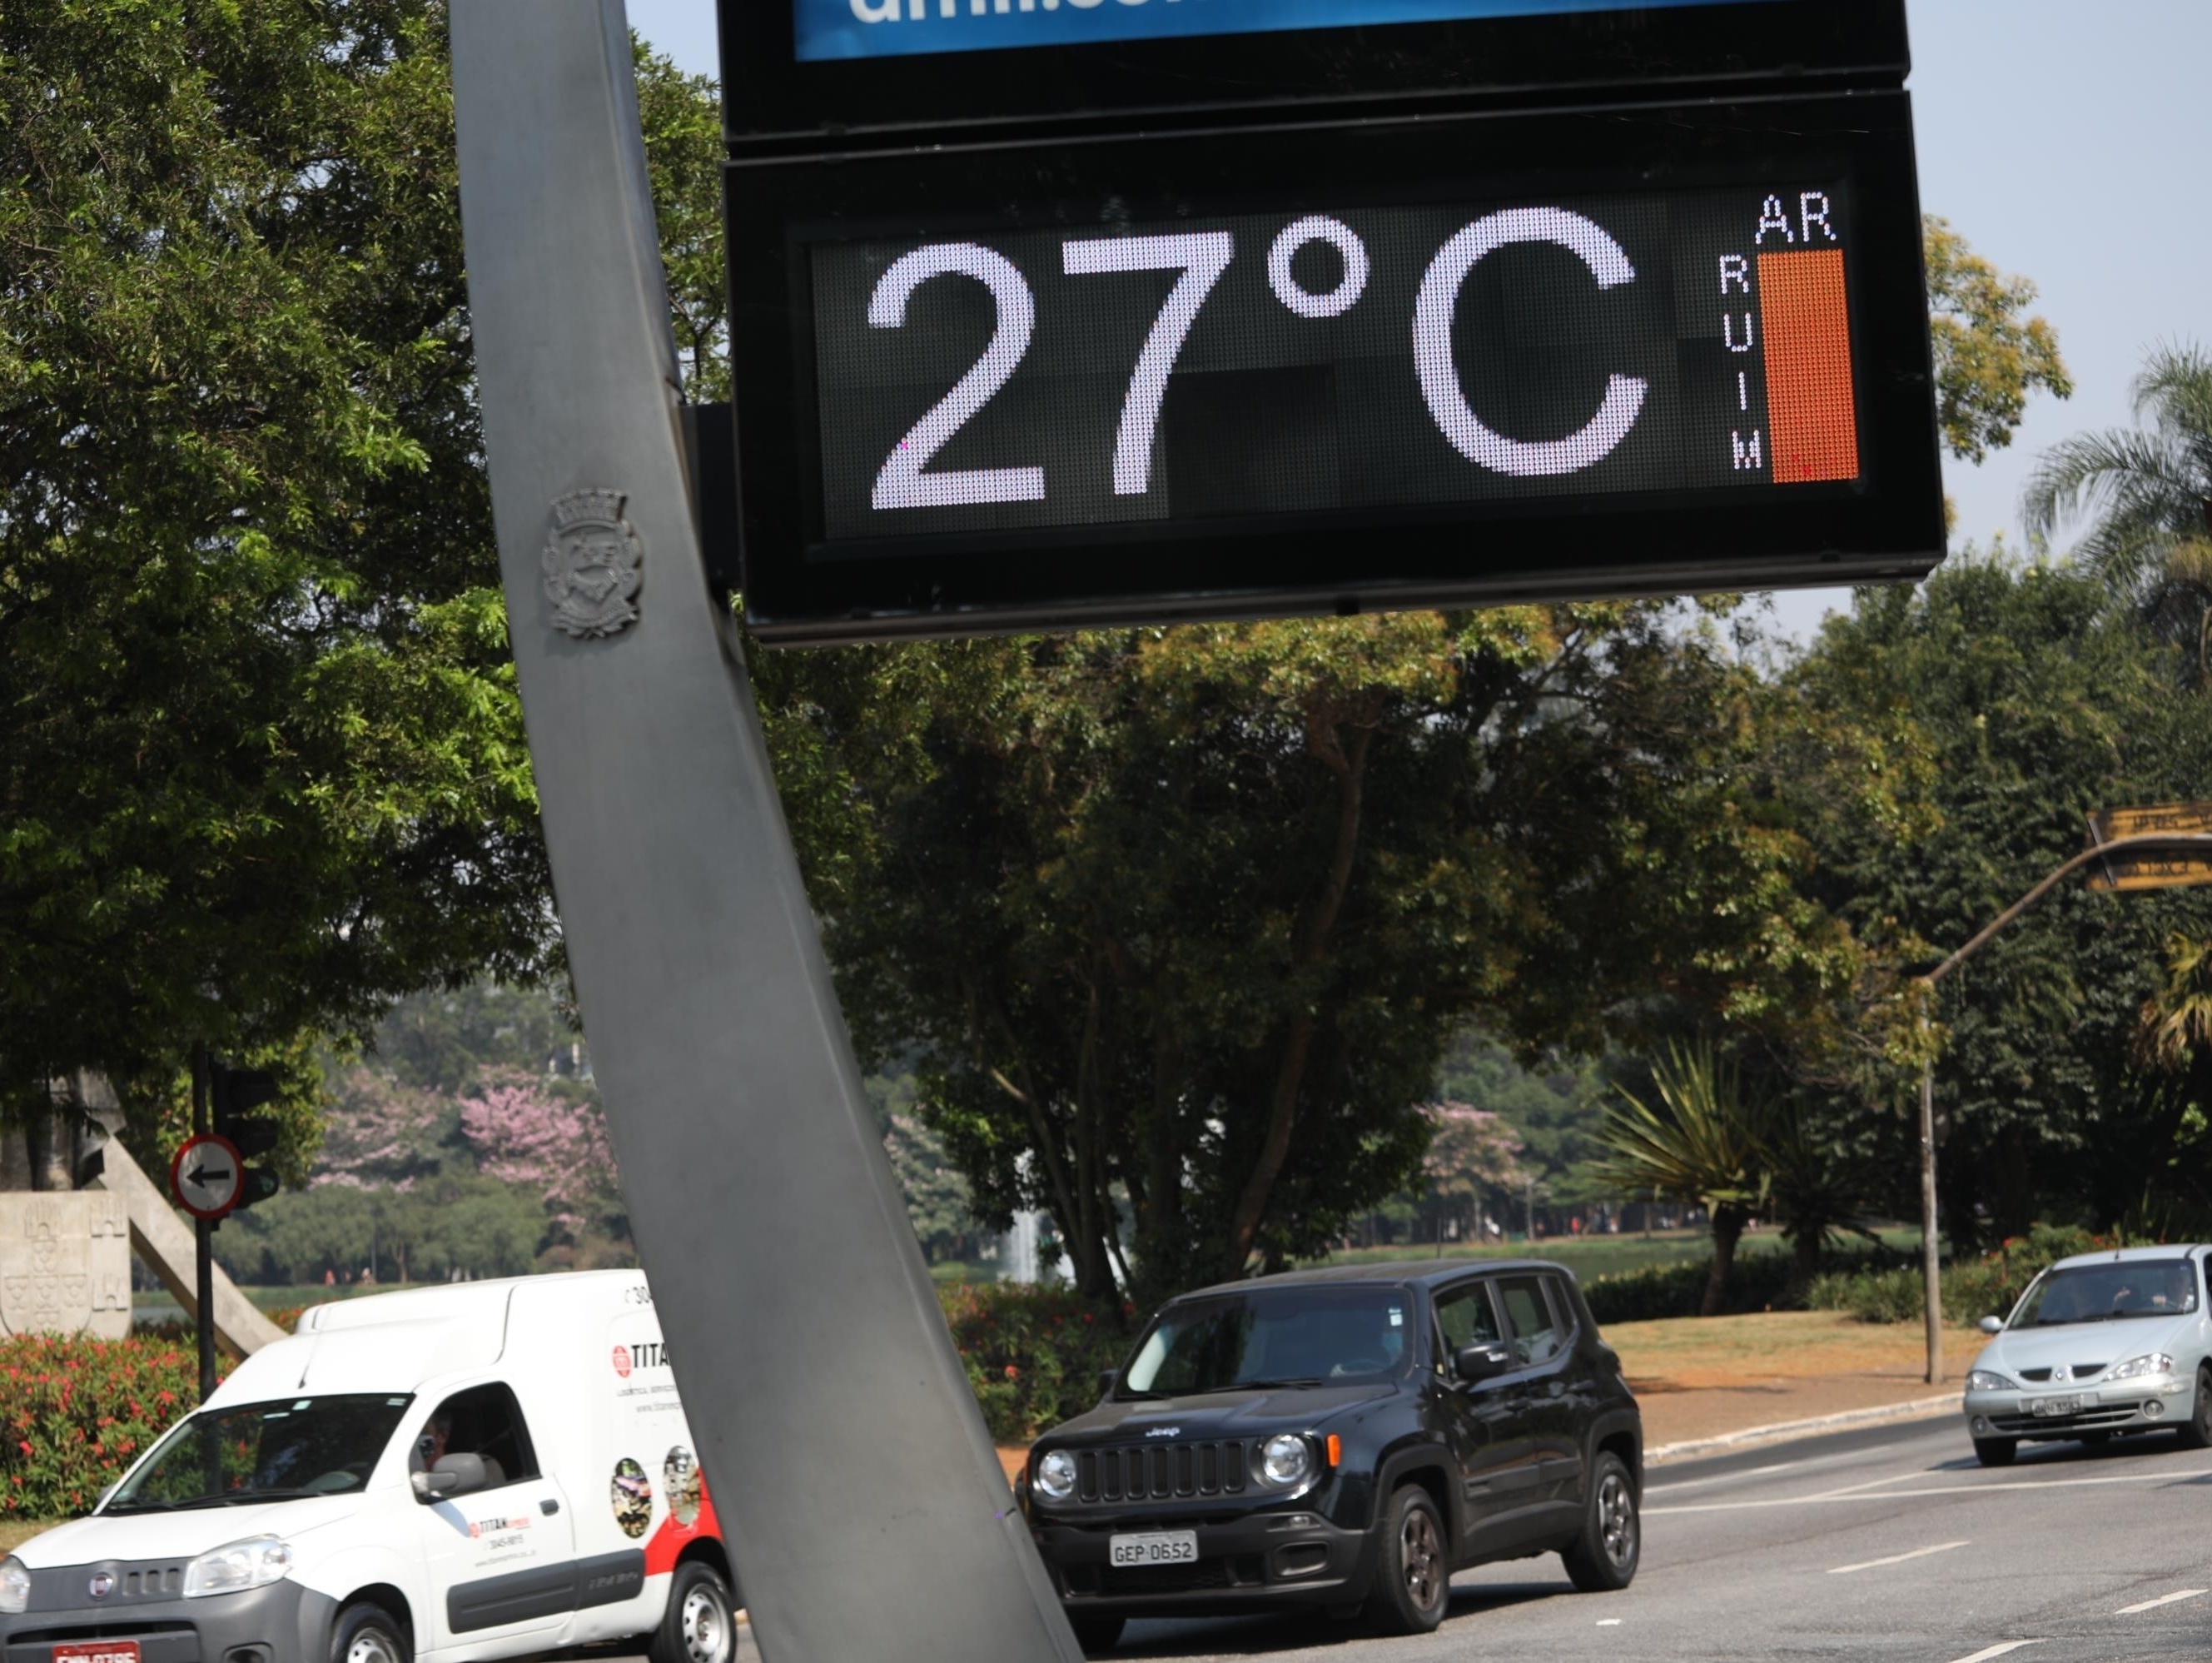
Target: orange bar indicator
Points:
(1812, 416)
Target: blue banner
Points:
(896, 28)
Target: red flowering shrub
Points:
(75, 1413)
(1032, 1353)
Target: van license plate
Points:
(2043, 1406)
(97, 1651)
(1159, 1547)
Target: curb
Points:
(1918, 1409)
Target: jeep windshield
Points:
(1272, 1336)
(2110, 1293)
(265, 1452)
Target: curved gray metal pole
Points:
(848, 1463)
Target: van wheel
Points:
(368, 1633)
(699, 1626)
(1412, 1570)
(1603, 1559)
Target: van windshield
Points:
(265, 1452)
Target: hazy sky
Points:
(2064, 138)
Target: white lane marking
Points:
(2004, 1487)
(1608, 1621)
(1871, 1483)
(2163, 1599)
(1895, 1558)
(1988, 1652)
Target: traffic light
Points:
(233, 1094)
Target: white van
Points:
(487, 1470)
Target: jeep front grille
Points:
(1161, 1472)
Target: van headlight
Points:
(2151, 1362)
(1287, 1459)
(1055, 1476)
(237, 1566)
(15, 1585)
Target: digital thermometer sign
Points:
(1141, 378)
(1406, 357)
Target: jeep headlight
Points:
(1055, 1476)
(237, 1566)
(1286, 1461)
(1981, 1380)
(2151, 1362)
(15, 1585)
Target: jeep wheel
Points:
(1995, 1451)
(1413, 1574)
(1096, 1634)
(1604, 1558)
(368, 1633)
(699, 1626)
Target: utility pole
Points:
(203, 1236)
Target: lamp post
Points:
(2102, 850)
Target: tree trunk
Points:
(1351, 769)
(1806, 1245)
(1728, 1230)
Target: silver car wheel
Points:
(706, 1627)
(1616, 1521)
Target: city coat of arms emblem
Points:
(592, 563)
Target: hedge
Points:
(77, 1413)
(1985, 1287)
(1032, 1353)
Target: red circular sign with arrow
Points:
(207, 1176)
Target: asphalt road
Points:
(1891, 1544)
(1887, 1545)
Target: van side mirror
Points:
(1992, 1325)
(1475, 1363)
(1106, 1379)
(455, 1475)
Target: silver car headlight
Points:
(1287, 1459)
(15, 1585)
(2151, 1362)
(1982, 1380)
(1055, 1476)
(237, 1566)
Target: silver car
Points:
(2098, 1345)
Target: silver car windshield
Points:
(2110, 1293)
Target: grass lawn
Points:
(1593, 1255)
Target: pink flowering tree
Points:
(1471, 1154)
(380, 1134)
(554, 1144)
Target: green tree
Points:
(1988, 358)
(2148, 493)
(262, 769)
(1183, 922)
(2038, 701)
(1704, 1141)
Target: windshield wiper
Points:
(238, 1497)
(1262, 1386)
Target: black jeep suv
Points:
(1344, 1438)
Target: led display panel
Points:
(1241, 397)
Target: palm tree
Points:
(2150, 492)
(1704, 1143)
(2177, 1019)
